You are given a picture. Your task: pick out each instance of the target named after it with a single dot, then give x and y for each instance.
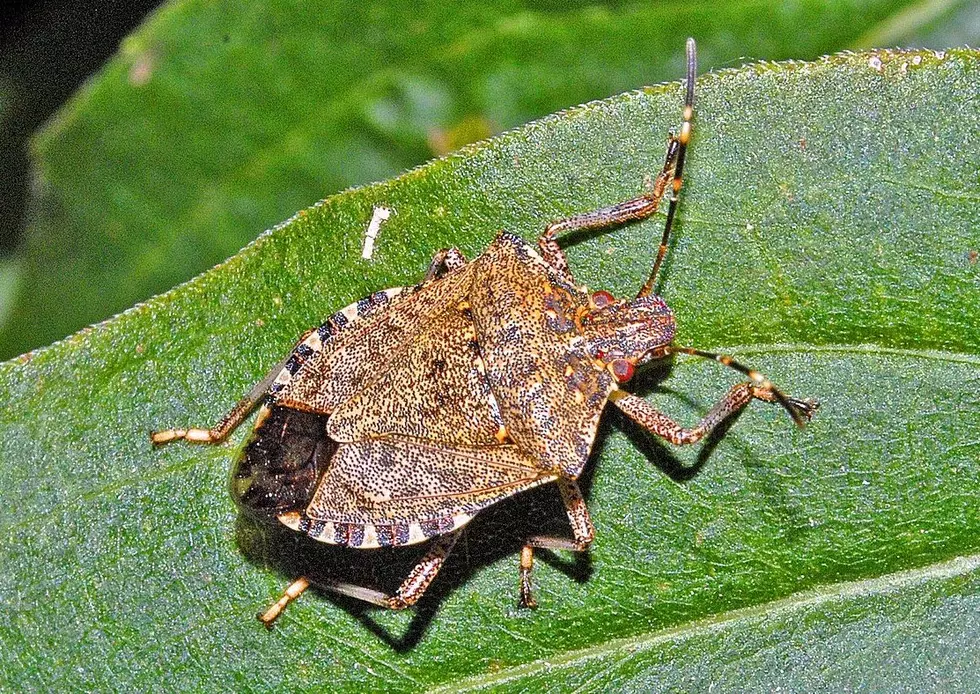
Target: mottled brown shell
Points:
(414, 409)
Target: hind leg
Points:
(219, 432)
(408, 593)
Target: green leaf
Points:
(900, 627)
(828, 236)
(218, 120)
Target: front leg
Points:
(634, 209)
(582, 530)
(656, 422)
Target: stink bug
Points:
(405, 414)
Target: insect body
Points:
(405, 414)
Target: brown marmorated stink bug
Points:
(405, 414)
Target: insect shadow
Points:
(656, 450)
(496, 534)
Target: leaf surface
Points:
(827, 236)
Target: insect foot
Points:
(494, 375)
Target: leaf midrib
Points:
(797, 601)
(868, 348)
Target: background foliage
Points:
(828, 236)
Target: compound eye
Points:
(602, 298)
(622, 370)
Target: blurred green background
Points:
(203, 123)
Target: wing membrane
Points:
(397, 480)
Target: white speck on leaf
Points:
(380, 215)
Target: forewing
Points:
(362, 351)
(395, 490)
(434, 388)
(327, 337)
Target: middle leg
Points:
(583, 532)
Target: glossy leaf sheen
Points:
(827, 237)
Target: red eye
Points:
(602, 298)
(622, 370)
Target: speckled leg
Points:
(654, 421)
(582, 530)
(759, 388)
(310, 344)
(408, 593)
(634, 209)
(445, 260)
(640, 207)
(413, 587)
(219, 432)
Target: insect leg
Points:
(582, 530)
(578, 516)
(527, 590)
(799, 410)
(241, 410)
(640, 207)
(656, 422)
(227, 424)
(634, 209)
(424, 572)
(295, 589)
(445, 260)
(411, 589)
(759, 388)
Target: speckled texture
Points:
(435, 402)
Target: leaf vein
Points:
(959, 566)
